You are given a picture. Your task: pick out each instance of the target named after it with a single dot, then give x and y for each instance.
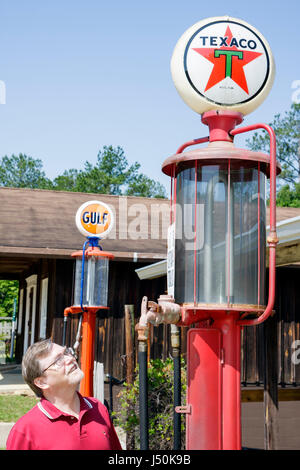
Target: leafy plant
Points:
(160, 405)
(287, 197)
(287, 130)
(22, 171)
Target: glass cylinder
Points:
(95, 286)
(220, 234)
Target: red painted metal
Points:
(213, 409)
(200, 140)
(93, 251)
(272, 238)
(217, 152)
(195, 238)
(229, 231)
(213, 391)
(204, 390)
(258, 234)
(231, 379)
(220, 124)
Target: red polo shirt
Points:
(45, 427)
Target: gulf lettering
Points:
(94, 218)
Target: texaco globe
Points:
(222, 63)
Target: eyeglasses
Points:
(59, 362)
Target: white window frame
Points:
(43, 308)
(20, 315)
(31, 282)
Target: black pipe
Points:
(112, 381)
(111, 405)
(175, 342)
(143, 396)
(177, 400)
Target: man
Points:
(62, 419)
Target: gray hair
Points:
(31, 368)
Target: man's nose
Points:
(69, 359)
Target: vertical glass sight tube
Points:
(220, 234)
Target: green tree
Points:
(287, 197)
(142, 185)
(287, 130)
(21, 171)
(111, 174)
(67, 181)
(8, 292)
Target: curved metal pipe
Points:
(272, 238)
(200, 140)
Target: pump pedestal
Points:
(213, 385)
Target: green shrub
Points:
(160, 405)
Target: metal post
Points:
(175, 341)
(65, 329)
(87, 352)
(13, 327)
(111, 404)
(143, 395)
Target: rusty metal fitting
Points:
(142, 332)
(175, 339)
(171, 312)
(272, 239)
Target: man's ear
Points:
(41, 382)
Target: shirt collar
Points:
(49, 410)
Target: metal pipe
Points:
(200, 140)
(111, 405)
(65, 330)
(143, 395)
(272, 238)
(175, 342)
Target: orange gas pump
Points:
(91, 281)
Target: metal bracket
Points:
(187, 409)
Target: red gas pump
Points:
(218, 207)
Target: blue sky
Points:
(83, 74)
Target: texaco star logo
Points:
(226, 63)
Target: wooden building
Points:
(38, 236)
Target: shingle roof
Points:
(42, 223)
